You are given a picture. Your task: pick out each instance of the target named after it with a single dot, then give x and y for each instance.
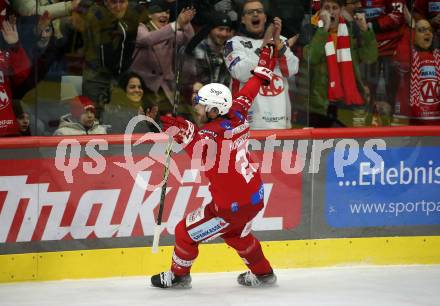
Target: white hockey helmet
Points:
(215, 95)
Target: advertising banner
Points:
(101, 192)
(96, 195)
(393, 187)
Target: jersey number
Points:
(246, 169)
(397, 6)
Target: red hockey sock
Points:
(185, 251)
(249, 249)
(260, 268)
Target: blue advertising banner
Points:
(392, 187)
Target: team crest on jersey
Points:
(275, 87)
(430, 92)
(246, 44)
(228, 48)
(4, 100)
(430, 89)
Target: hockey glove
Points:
(263, 73)
(180, 129)
(266, 64)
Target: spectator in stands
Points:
(152, 111)
(204, 62)
(418, 97)
(127, 102)
(109, 40)
(429, 10)
(56, 10)
(23, 121)
(272, 107)
(81, 120)
(334, 83)
(370, 114)
(386, 18)
(41, 91)
(43, 49)
(14, 69)
(350, 8)
(155, 53)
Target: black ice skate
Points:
(249, 279)
(169, 280)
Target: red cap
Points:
(80, 104)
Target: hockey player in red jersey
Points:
(236, 187)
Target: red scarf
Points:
(415, 82)
(341, 79)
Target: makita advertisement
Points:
(95, 196)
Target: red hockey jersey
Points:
(418, 96)
(386, 17)
(14, 69)
(235, 180)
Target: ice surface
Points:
(341, 286)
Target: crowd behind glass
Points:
(89, 66)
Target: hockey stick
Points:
(158, 227)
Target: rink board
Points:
(220, 258)
(77, 207)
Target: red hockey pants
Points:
(205, 223)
